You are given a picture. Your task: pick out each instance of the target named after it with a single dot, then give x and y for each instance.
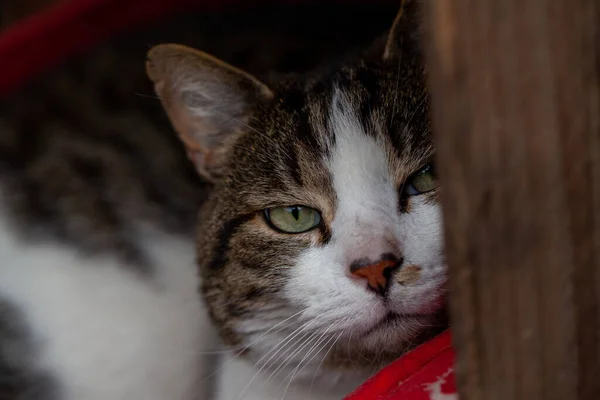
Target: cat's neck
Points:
(241, 380)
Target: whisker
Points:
(262, 134)
(149, 96)
(348, 350)
(207, 352)
(280, 345)
(249, 345)
(417, 107)
(322, 360)
(239, 122)
(286, 362)
(288, 359)
(295, 371)
(373, 372)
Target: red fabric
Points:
(425, 373)
(40, 42)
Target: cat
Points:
(320, 244)
(98, 294)
(98, 204)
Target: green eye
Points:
(293, 219)
(424, 180)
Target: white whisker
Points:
(287, 361)
(249, 345)
(279, 346)
(296, 370)
(417, 107)
(322, 360)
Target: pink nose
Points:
(377, 274)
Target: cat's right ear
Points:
(207, 101)
(406, 28)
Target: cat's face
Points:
(324, 221)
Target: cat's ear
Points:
(405, 30)
(207, 101)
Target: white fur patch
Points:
(104, 332)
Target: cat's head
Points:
(324, 219)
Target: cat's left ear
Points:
(405, 30)
(208, 101)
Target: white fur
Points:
(367, 223)
(233, 385)
(104, 332)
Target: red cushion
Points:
(425, 373)
(41, 41)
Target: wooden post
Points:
(516, 105)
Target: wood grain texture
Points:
(516, 111)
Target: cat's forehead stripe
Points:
(359, 161)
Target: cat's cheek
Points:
(421, 285)
(423, 298)
(320, 285)
(421, 233)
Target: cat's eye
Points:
(293, 219)
(422, 181)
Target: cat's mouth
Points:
(392, 319)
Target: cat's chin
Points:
(394, 329)
(393, 332)
(389, 338)
(397, 322)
